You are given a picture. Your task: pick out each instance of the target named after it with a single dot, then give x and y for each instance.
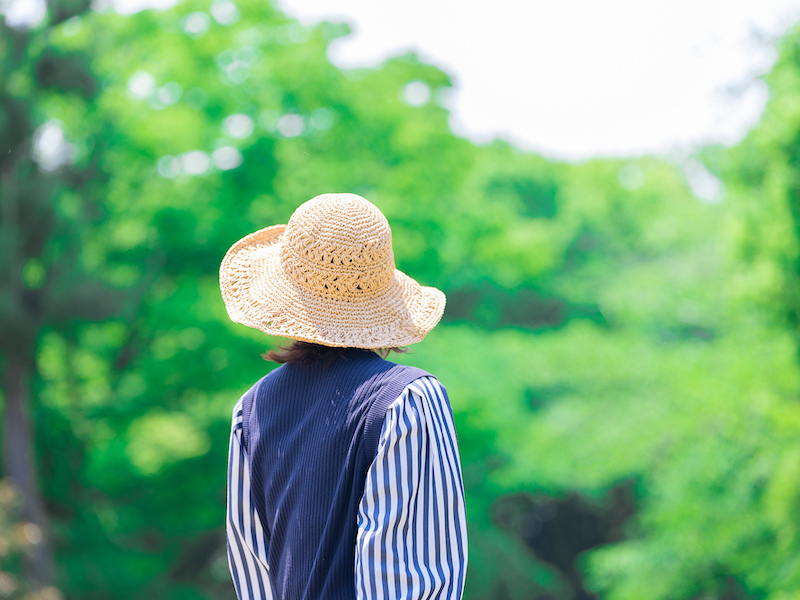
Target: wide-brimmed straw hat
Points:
(328, 277)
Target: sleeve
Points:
(411, 542)
(247, 547)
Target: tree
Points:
(51, 201)
(615, 349)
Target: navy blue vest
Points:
(311, 432)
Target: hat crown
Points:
(339, 245)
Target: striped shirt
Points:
(411, 541)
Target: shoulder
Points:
(427, 385)
(422, 397)
(250, 395)
(421, 413)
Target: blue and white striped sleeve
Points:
(247, 547)
(411, 542)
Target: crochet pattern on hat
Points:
(328, 277)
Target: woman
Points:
(343, 477)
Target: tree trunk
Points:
(19, 467)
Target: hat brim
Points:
(258, 293)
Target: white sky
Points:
(568, 78)
(578, 78)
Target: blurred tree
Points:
(51, 195)
(616, 350)
(761, 174)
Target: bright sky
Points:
(578, 78)
(568, 78)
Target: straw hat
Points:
(328, 277)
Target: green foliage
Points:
(621, 357)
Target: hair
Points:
(301, 353)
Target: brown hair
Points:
(300, 353)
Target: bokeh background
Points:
(620, 346)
